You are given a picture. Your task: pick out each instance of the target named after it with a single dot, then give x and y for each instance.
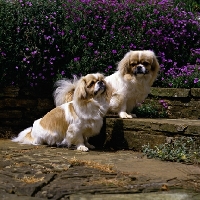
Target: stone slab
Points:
(176, 195)
(42, 172)
(134, 133)
(169, 92)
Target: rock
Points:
(32, 172)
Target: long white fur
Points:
(21, 137)
(129, 93)
(87, 123)
(63, 86)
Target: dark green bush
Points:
(43, 40)
(150, 110)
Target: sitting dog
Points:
(72, 123)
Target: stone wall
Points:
(134, 133)
(20, 107)
(181, 103)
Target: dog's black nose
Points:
(101, 83)
(140, 70)
(139, 67)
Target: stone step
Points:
(134, 133)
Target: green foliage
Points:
(183, 149)
(189, 5)
(42, 40)
(150, 110)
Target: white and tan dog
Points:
(130, 84)
(74, 122)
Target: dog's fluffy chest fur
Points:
(130, 92)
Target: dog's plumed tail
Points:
(64, 91)
(24, 137)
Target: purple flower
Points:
(62, 33)
(62, 73)
(96, 52)
(47, 37)
(196, 80)
(132, 46)
(163, 103)
(114, 51)
(83, 37)
(103, 27)
(18, 29)
(76, 59)
(33, 53)
(90, 44)
(3, 54)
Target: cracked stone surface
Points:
(41, 172)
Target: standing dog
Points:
(74, 122)
(130, 84)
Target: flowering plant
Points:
(41, 41)
(178, 149)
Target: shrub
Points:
(183, 149)
(41, 41)
(150, 110)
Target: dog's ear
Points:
(109, 92)
(155, 67)
(100, 76)
(80, 92)
(124, 64)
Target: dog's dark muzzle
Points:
(101, 87)
(141, 70)
(101, 84)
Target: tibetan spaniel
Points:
(72, 123)
(130, 84)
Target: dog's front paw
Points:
(82, 148)
(134, 115)
(124, 115)
(90, 146)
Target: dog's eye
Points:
(133, 64)
(145, 63)
(91, 84)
